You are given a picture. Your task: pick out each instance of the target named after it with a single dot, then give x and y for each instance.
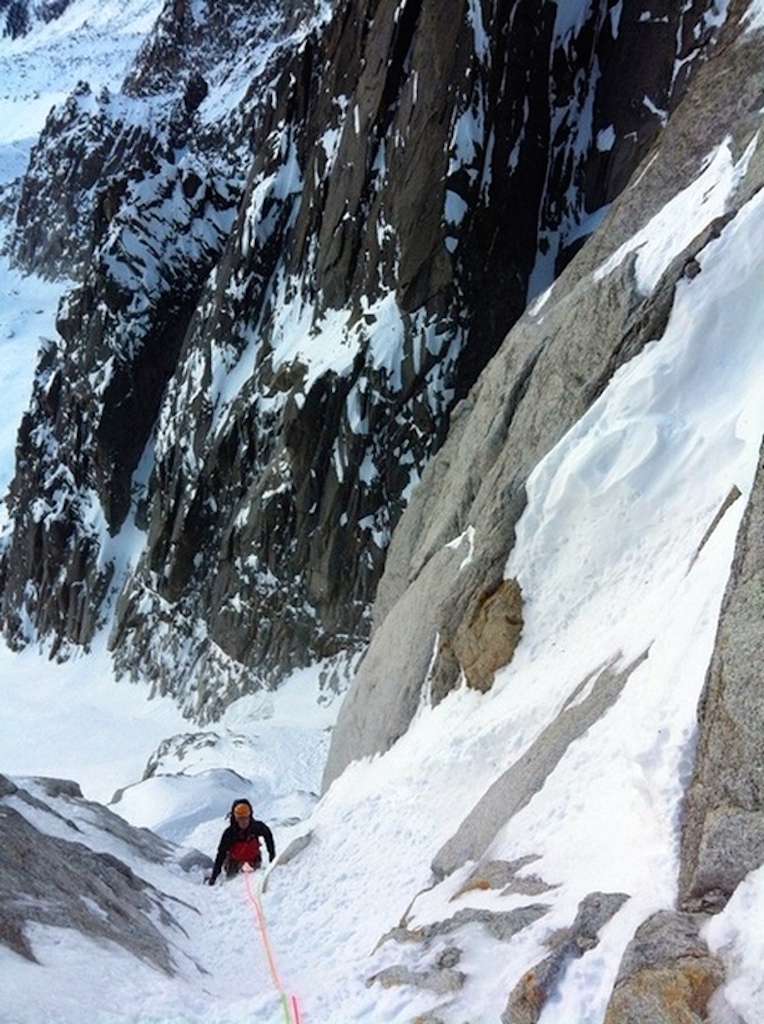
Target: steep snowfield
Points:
(607, 551)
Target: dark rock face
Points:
(283, 295)
(97, 391)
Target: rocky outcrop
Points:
(482, 642)
(454, 541)
(54, 879)
(723, 817)
(667, 975)
(533, 991)
(442, 976)
(456, 535)
(505, 876)
(439, 945)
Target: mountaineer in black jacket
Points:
(240, 843)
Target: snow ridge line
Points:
(289, 1005)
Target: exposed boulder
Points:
(442, 978)
(482, 642)
(501, 924)
(503, 875)
(442, 975)
(667, 975)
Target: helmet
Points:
(241, 809)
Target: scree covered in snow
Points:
(614, 519)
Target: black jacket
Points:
(234, 833)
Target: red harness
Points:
(245, 850)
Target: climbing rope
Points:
(288, 1004)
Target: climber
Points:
(240, 843)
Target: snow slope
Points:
(615, 518)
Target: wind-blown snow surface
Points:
(608, 556)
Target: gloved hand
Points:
(211, 880)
